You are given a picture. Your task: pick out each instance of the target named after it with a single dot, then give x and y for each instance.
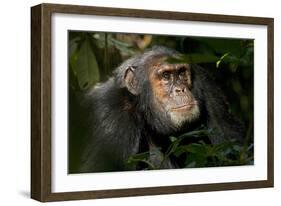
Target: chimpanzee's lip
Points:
(185, 106)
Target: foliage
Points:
(200, 154)
(94, 55)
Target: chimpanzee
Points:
(147, 100)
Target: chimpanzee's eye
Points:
(166, 75)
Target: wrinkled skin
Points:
(171, 86)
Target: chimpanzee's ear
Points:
(130, 80)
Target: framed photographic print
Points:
(132, 102)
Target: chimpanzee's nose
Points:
(180, 90)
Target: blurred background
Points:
(94, 55)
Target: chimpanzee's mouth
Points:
(185, 106)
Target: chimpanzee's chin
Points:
(181, 118)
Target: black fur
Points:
(121, 124)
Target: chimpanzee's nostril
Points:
(180, 90)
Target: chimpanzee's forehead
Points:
(157, 60)
(161, 62)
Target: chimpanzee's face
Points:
(171, 86)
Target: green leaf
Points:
(144, 155)
(85, 66)
(220, 60)
(73, 45)
(200, 132)
(195, 148)
(120, 43)
(124, 47)
(141, 157)
(195, 160)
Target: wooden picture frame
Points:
(41, 95)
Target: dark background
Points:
(94, 55)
